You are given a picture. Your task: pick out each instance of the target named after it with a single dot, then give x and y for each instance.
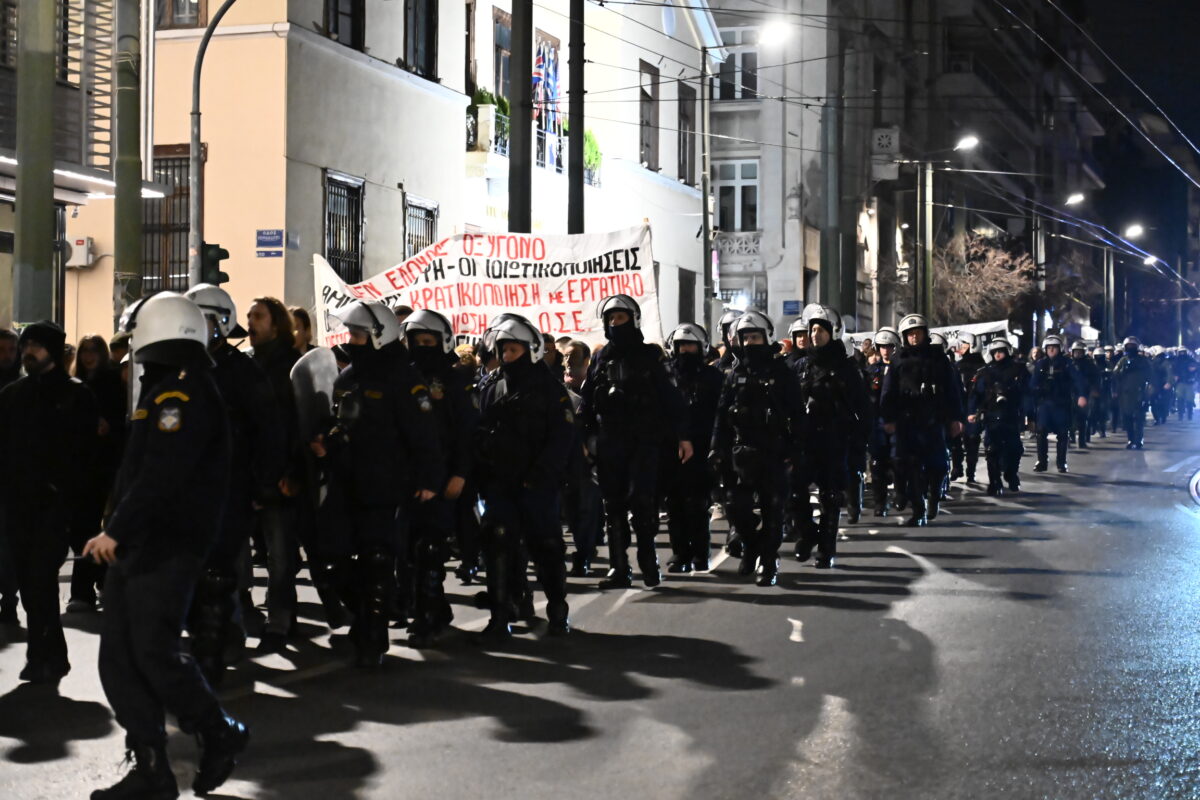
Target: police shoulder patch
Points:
(374, 394)
(170, 419)
(175, 393)
(141, 413)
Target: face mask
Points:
(517, 369)
(427, 358)
(690, 361)
(1131, 349)
(625, 334)
(758, 354)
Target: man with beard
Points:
(835, 427)
(1057, 389)
(48, 429)
(921, 404)
(630, 411)
(382, 453)
(997, 403)
(430, 340)
(686, 485)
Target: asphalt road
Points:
(1043, 645)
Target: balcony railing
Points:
(488, 132)
(960, 63)
(739, 243)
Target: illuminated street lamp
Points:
(968, 142)
(1134, 231)
(1075, 199)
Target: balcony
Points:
(967, 80)
(488, 133)
(739, 251)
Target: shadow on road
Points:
(45, 723)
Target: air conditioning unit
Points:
(81, 252)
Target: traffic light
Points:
(211, 256)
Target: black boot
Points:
(620, 574)
(499, 588)
(221, 740)
(150, 779)
(935, 497)
(854, 500)
(648, 564)
(557, 614)
(879, 492)
(1061, 453)
(831, 512)
(581, 565)
(768, 571)
(917, 519)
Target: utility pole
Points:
(1110, 312)
(520, 154)
(195, 185)
(927, 253)
(575, 121)
(127, 213)
(27, 294)
(1039, 275)
(706, 266)
(1179, 305)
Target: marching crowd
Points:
(170, 461)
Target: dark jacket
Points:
(998, 393)
(1131, 377)
(384, 446)
(1055, 381)
(171, 490)
(700, 387)
(834, 398)
(456, 409)
(628, 393)
(48, 432)
(921, 389)
(526, 429)
(760, 412)
(1089, 374)
(256, 425)
(276, 360)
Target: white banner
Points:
(555, 281)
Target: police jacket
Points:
(833, 395)
(48, 429)
(276, 359)
(1055, 381)
(256, 426)
(1104, 367)
(968, 367)
(1185, 368)
(384, 445)
(998, 393)
(760, 409)
(526, 428)
(628, 393)
(700, 386)
(170, 493)
(1089, 374)
(455, 409)
(921, 389)
(1132, 377)
(1162, 372)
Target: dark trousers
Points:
(583, 505)
(37, 541)
(686, 491)
(767, 489)
(276, 522)
(1002, 442)
(530, 517)
(1135, 426)
(143, 668)
(1081, 431)
(86, 575)
(965, 448)
(628, 473)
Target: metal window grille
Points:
(420, 226)
(344, 227)
(165, 229)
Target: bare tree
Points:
(975, 280)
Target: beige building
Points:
(349, 129)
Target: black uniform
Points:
(522, 442)
(965, 448)
(256, 466)
(1133, 378)
(1081, 418)
(686, 486)
(48, 425)
(431, 524)
(1186, 371)
(760, 419)
(1056, 387)
(835, 432)
(881, 445)
(1103, 404)
(382, 450)
(1164, 391)
(997, 400)
(631, 409)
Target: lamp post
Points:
(705, 192)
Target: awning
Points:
(74, 184)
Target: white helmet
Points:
(1052, 340)
(129, 315)
(375, 318)
(1078, 345)
(818, 312)
(996, 345)
(797, 328)
(939, 340)
(727, 319)
(754, 321)
(215, 302)
(170, 330)
(885, 337)
(1156, 350)
(912, 321)
(515, 328)
(425, 321)
(967, 338)
(620, 302)
(687, 332)
(1131, 340)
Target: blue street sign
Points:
(269, 254)
(269, 238)
(791, 308)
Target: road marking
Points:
(622, 600)
(1186, 462)
(987, 527)
(797, 628)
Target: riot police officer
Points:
(922, 405)
(1186, 371)
(430, 344)
(525, 431)
(1133, 378)
(835, 428)
(997, 404)
(686, 485)
(799, 336)
(1164, 390)
(257, 466)
(759, 422)
(382, 453)
(1103, 402)
(630, 411)
(966, 447)
(1089, 378)
(728, 478)
(166, 516)
(1057, 389)
(881, 444)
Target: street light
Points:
(774, 32)
(1075, 199)
(1134, 231)
(1149, 261)
(968, 142)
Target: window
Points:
(687, 295)
(502, 63)
(344, 225)
(687, 134)
(165, 225)
(469, 65)
(181, 14)
(736, 186)
(737, 79)
(420, 224)
(420, 37)
(547, 115)
(648, 115)
(8, 33)
(345, 20)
